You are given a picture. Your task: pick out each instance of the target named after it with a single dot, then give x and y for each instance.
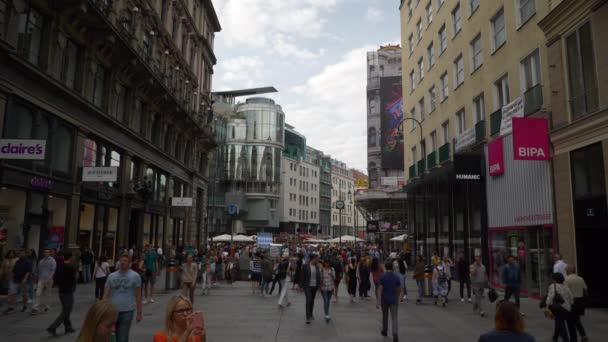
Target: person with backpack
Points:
(559, 301)
(440, 282)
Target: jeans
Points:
(86, 273)
(283, 296)
(478, 291)
(559, 329)
(394, 324)
(420, 284)
(274, 282)
(463, 283)
(123, 325)
(574, 325)
(310, 293)
(67, 303)
(512, 291)
(100, 283)
(43, 292)
(326, 300)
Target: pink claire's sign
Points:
(496, 160)
(22, 149)
(530, 139)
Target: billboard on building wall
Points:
(391, 114)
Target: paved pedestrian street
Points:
(233, 314)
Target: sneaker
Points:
(151, 300)
(327, 318)
(383, 333)
(29, 301)
(469, 300)
(9, 310)
(47, 308)
(482, 314)
(35, 312)
(145, 301)
(24, 309)
(51, 331)
(462, 300)
(308, 321)
(70, 330)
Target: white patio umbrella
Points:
(344, 238)
(242, 238)
(221, 238)
(402, 237)
(316, 241)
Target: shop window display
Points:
(109, 237)
(12, 213)
(87, 221)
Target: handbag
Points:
(492, 295)
(558, 300)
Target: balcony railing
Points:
(495, 120)
(412, 173)
(431, 160)
(444, 153)
(533, 100)
(480, 131)
(421, 166)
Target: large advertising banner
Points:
(391, 106)
(530, 139)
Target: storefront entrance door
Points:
(538, 264)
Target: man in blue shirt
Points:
(389, 295)
(511, 278)
(151, 272)
(123, 289)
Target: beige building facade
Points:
(464, 62)
(576, 32)
(342, 189)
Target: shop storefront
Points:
(35, 192)
(520, 211)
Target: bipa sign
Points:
(530, 139)
(22, 149)
(496, 161)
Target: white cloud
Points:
(241, 72)
(282, 46)
(374, 15)
(252, 23)
(330, 109)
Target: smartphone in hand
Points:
(197, 320)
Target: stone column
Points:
(73, 219)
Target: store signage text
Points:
(512, 110)
(533, 218)
(468, 177)
(22, 149)
(42, 183)
(100, 174)
(530, 139)
(181, 201)
(496, 161)
(466, 139)
(468, 167)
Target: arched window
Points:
(188, 153)
(156, 131)
(371, 137)
(372, 171)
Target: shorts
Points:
(256, 276)
(338, 279)
(16, 288)
(149, 277)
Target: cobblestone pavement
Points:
(232, 313)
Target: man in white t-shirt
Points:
(559, 266)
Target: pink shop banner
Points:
(496, 160)
(530, 139)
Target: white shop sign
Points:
(22, 149)
(512, 110)
(181, 201)
(100, 174)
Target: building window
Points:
(433, 141)
(412, 81)
(414, 155)
(444, 86)
(456, 20)
(99, 81)
(527, 9)
(582, 83)
(445, 128)
(478, 109)
(461, 124)
(163, 11)
(432, 99)
(120, 103)
(29, 32)
(174, 27)
(137, 113)
(420, 68)
(147, 45)
(499, 34)
(419, 31)
(443, 41)
(431, 54)
(501, 88)
(588, 176)
(476, 53)
(410, 43)
(530, 68)
(70, 64)
(440, 3)
(421, 106)
(410, 9)
(473, 5)
(371, 137)
(458, 71)
(429, 13)
(413, 116)
(126, 19)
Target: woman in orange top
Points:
(178, 323)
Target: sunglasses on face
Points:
(183, 311)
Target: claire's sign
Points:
(496, 160)
(22, 149)
(530, 139)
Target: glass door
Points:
(536, 271)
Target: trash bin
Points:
(172, 276)
(428, 281)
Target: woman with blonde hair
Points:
(509, 325)
(178, 323)
(99, 323)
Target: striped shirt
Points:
(256, 265)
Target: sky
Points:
(314, 53)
